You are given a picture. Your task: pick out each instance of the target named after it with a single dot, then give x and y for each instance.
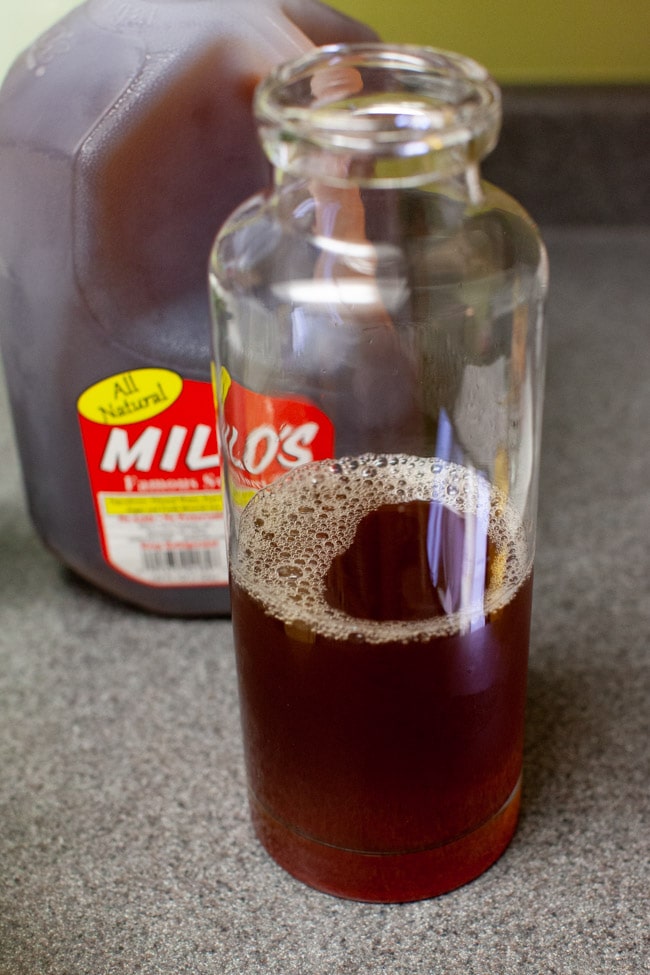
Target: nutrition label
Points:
(165, 539)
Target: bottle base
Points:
(387, 877)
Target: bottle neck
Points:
(376, 116)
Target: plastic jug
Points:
(126, 138)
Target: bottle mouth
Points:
(387, 112)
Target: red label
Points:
(266, 436)
(151, 450)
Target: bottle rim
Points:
(379, 101)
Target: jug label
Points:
(155, 473)
(266, 436)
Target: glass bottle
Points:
(379, 321)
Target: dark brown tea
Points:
(382, 610)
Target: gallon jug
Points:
(126, 137)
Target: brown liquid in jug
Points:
(126, 137)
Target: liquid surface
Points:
(397, 567)
(434, 527)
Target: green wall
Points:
(590, 41)
(518, 40)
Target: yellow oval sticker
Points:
(128, 397)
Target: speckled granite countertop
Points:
(124, 838)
